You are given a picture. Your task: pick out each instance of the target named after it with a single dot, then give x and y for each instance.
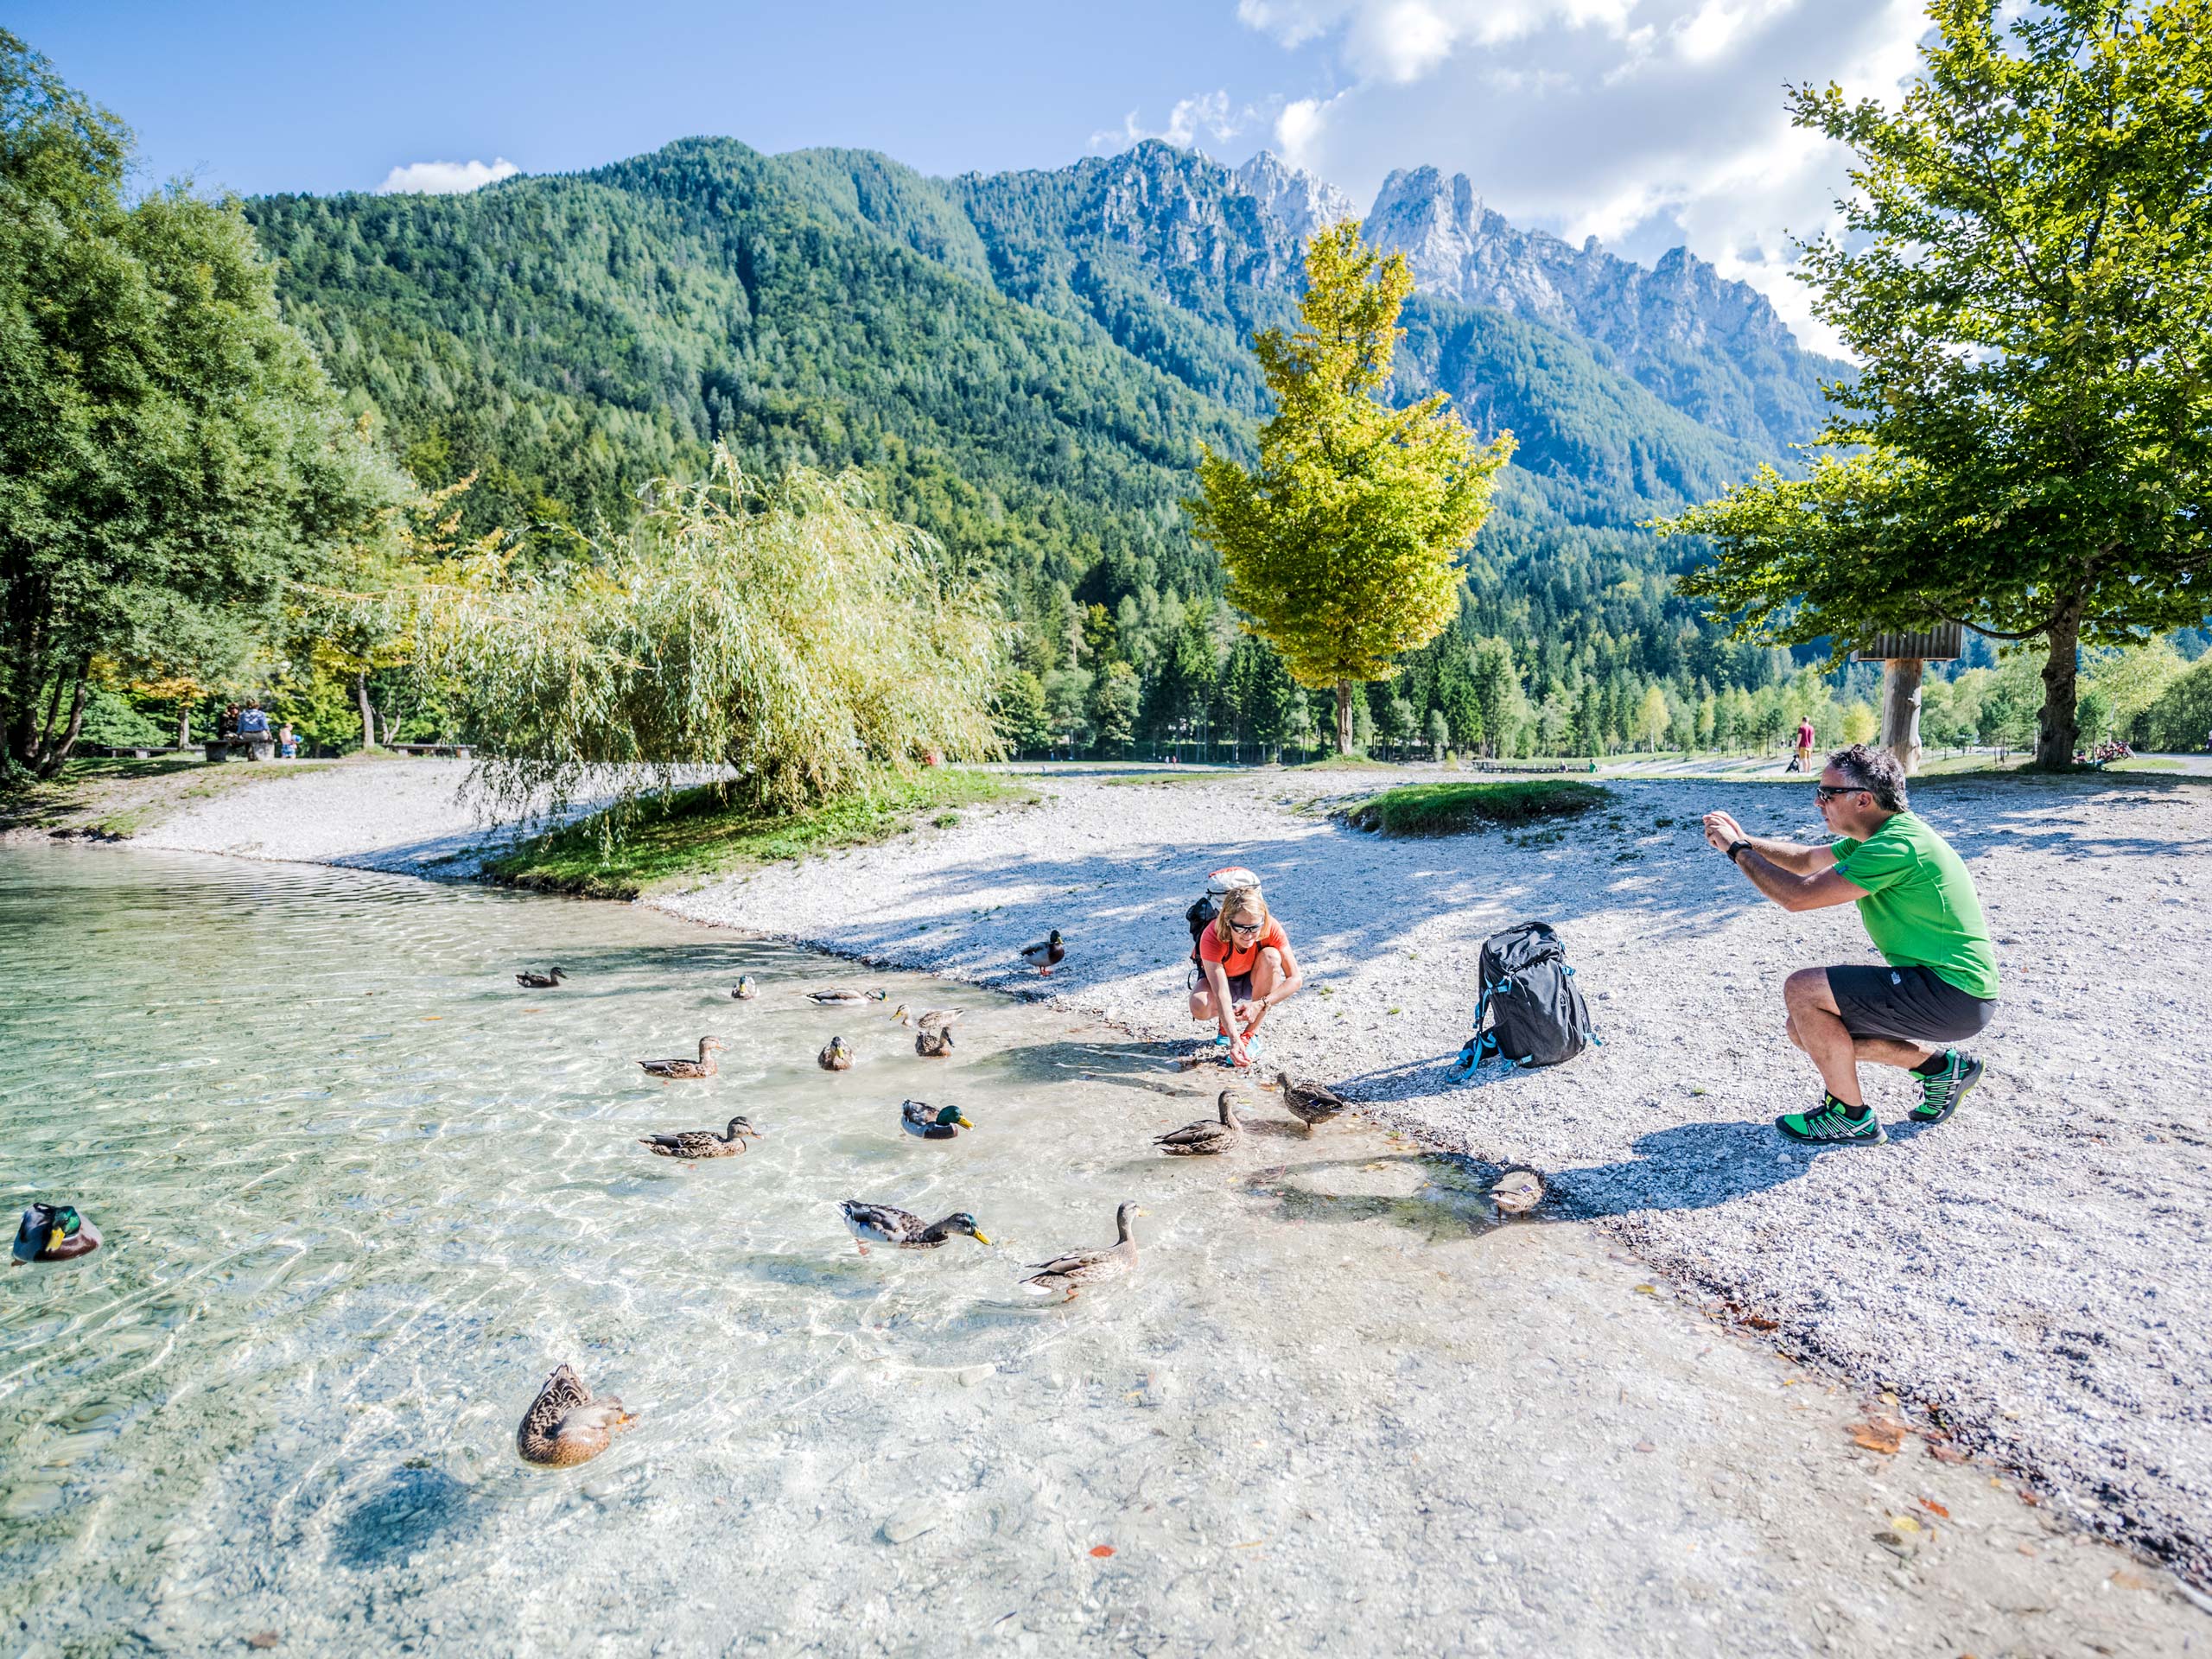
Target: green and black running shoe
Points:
(1832, 1123)
(1940, 1095)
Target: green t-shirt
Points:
(1920, 908)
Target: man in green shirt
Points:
(1920, 909)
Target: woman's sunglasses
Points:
(1246, 928)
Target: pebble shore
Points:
(2032, 1273)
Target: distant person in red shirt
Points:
(1249, 967)
(1805, 740)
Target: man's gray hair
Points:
(1876, 771)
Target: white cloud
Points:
(1645, 123)
(445, 178)
(1207, 116)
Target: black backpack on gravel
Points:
(1537, 1016)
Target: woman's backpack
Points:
(1537, 1016)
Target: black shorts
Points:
(1240, 985)
(1909, 1005)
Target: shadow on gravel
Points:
(1690, 1166)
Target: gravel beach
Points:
(2032, 1272)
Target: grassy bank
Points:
(696, 834)
(1453, 809)
(116, 799)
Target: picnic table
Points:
(462, 750)
(254, 746)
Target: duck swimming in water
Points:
(835, 1056)
(702, 1143)
(745, 990)
(837, 996)
(920, 1118)
(880, 1223)
(932, 1028)
(1046, 954)
(54, 1232)
(537, 981)
(565, 1425)
(1207, 1136)
(1074, 1272)
(705, 1066)
(1517, 1191)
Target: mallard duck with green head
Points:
(1208, 1136)
(702, 1143)
(565, 1425)
(919, 1117)
(1046, 954)
(745, 989)
(836, 1055)
(1083, 1268)
(54, 1232)
(705, 1066)
(882, 1223)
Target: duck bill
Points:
(979, 1236)
(964, 1122)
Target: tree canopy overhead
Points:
(2026, 276)
(1342, 544)
(166, 439)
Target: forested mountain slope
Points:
(1026, 363)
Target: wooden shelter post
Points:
(1904, 658)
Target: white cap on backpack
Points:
(1234, 876)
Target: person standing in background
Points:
(1803, 759)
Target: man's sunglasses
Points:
(1829, 792)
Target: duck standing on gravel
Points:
(54, 1232)
(1245, 966)
(1207, 1136)
(1046, 954)
(1311, 1103)
(705, 1066)
(881, 1223)
(836, 1055)
(1073, 1272)
(565, 1425)
(702, 1143)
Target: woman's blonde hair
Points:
(1239, 901)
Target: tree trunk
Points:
(184, 725)
(1901, 679)
(1344, 716)
(55, 753)
(368, 714)
(2056, 733)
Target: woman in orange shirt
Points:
(1248, 966)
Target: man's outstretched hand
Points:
(1723, 831)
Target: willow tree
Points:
(788, 637)
(2026, 279)
(1342, 545)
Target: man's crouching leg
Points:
(1816, 1026)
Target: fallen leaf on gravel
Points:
(262, 1639)
(1883, 1437)
(1903, 1523)
(1101, 1551)
(1760, 1322)
(2029, 1499)
(2128, 1580)
(1647, 1290)
(1944, 1453)
(1645, 1445)
(1933, 1508)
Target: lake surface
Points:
(360, 1192)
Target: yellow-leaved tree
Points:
(1342, 545)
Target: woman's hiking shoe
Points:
(1832, 1123)
(1940, 1095)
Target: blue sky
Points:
(1647, 123)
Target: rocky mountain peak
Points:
(1293, 203)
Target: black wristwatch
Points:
(1734, 848)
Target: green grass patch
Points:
(696, 834)
(1454, 809)
(1344, 763)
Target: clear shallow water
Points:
(360, 1192)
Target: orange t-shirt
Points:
(1236, 960)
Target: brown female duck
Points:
(565, 1425)
(705, 1066)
